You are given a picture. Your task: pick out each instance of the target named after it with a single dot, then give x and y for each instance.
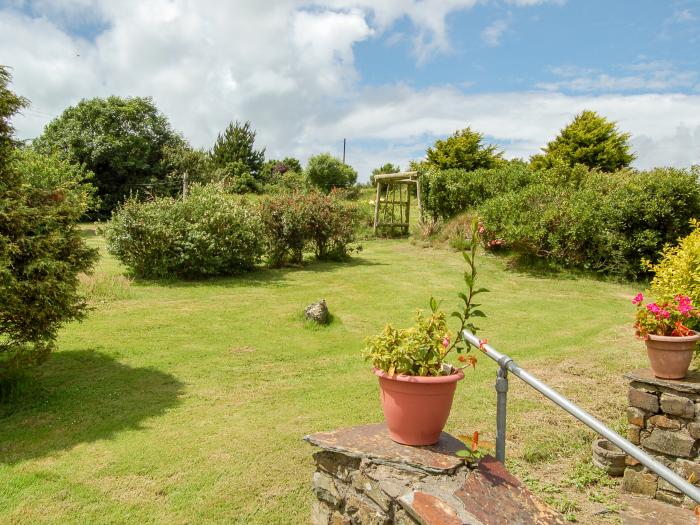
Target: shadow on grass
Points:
(542, 269)
(81, 397)
(260, 276)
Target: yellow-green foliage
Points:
(678, 272)
(414, 351)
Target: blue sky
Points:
(391, 76)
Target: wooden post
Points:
(376, 206)
(408, 207)
(420, 201)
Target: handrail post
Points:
(506, 363)
(501, 407)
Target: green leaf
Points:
(477, 313)
(480, 290)
(463, 453)
(464, 297)
(433, 304)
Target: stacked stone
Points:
(364, 478)
(664, 420)
(354, 491)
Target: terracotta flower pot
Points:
(670, 356)
(416, 408)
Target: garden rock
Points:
(317, 312)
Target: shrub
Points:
(297, 222)
(41, 250)
(447, 193)
(678, 271)
(286, 219)
(600, 222)
(209, 233)
(326, 172)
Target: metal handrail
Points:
(506, 364)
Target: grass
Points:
(187, 402)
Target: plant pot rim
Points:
(452, 378)
(682, 338)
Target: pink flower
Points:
(446, 341)
(638, 299)
(653, 308)
(663, 313)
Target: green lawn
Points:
(188, 402)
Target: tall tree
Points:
(591, 140)
(121, 140)
(41, 249)
(463, 150)
(234, 152)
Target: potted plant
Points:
(416, 381)
(664, 327)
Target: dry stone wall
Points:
(663, 419)
(364, 478)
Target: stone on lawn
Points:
(317, 312)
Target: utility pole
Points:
(343, 151)
(184, 186)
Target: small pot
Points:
(416, 408)
(608, 457)
(670, 356)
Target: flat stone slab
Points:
(494, 496)
(690, 384)
(373, 442)
(643, 511)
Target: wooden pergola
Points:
(392, 207)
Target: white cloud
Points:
(684, 15)
(649, 76)
(492, 34)
(289, 68)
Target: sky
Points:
(390, 76)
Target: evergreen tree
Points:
(591, 140)
(41, 249)
(463, 150)
(234, 153)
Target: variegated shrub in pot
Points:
(416, 380)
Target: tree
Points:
(386, 168)
(234, 153)
(121, 140)
(41, 250)
(463, 150)
(590, 140)
(182, 160)
(327, 172)
(48, 172)
(272, 170)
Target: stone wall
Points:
(364, 478)
(664, 420)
